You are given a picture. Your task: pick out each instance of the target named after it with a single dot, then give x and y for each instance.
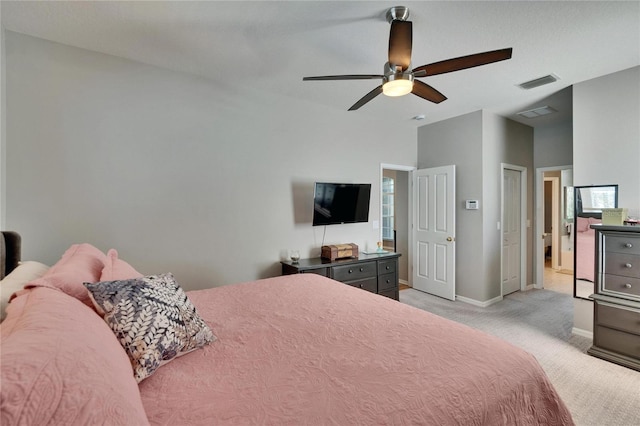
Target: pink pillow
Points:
(81, 263)
(117, 269)
(61, 364)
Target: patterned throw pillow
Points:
(152, 318)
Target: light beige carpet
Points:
(597, 392)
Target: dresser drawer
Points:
(619, 243)
(387, 281)
(390, 293)
(387, 266)
(356, 271)
(320, 271)
(369, 284)
(627, 265)
(621, 286)
(621, 318)
(617, 341)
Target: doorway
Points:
(395, 208)
(554, 223)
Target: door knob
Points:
(449, 238)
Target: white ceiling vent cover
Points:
(539, 82)
(537, 112)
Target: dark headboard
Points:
(10, 245)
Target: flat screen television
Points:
(337, 203)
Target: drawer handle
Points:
(350, 270)
(388, 267)
(628, 245)
(361, 285)
(361, 269)
(388, 281)
(628, 265)
(627, 285)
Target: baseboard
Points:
(405, 282)
(584, 333)
(477, 302)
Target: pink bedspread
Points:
(306, 350)
(585, 255)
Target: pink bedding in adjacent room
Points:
(585, 246)
(306, 350)
(585, 255)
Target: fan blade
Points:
(427, 92)
(463, 62)
(400, 44)
(344, 77)
(366, 98)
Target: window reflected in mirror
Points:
(568, 203)
(588, 204)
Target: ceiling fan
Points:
(398, 79)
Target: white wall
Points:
(606, 133)
(606, 146)
(177, 174)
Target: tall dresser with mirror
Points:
(616, 328)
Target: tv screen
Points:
(336, 203)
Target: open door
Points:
(434, 231)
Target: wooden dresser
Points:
(377, 273)
(616, 316)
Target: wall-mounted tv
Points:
(337, 203)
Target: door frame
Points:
(555, 222)
(538, 255)
(523, 222)
(409, 169)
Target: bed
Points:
(292, 350)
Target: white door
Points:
(434, 231)
(511, 218)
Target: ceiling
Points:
(268, 46)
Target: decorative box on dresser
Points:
(616, 316)
(377, 273)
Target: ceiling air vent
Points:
(538, 82)
(537, 112)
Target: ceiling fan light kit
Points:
(397, 84)
(398, 79)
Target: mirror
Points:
(587, 210)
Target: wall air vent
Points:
(538, 82)
(537, 112)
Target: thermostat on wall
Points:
(472, 204)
